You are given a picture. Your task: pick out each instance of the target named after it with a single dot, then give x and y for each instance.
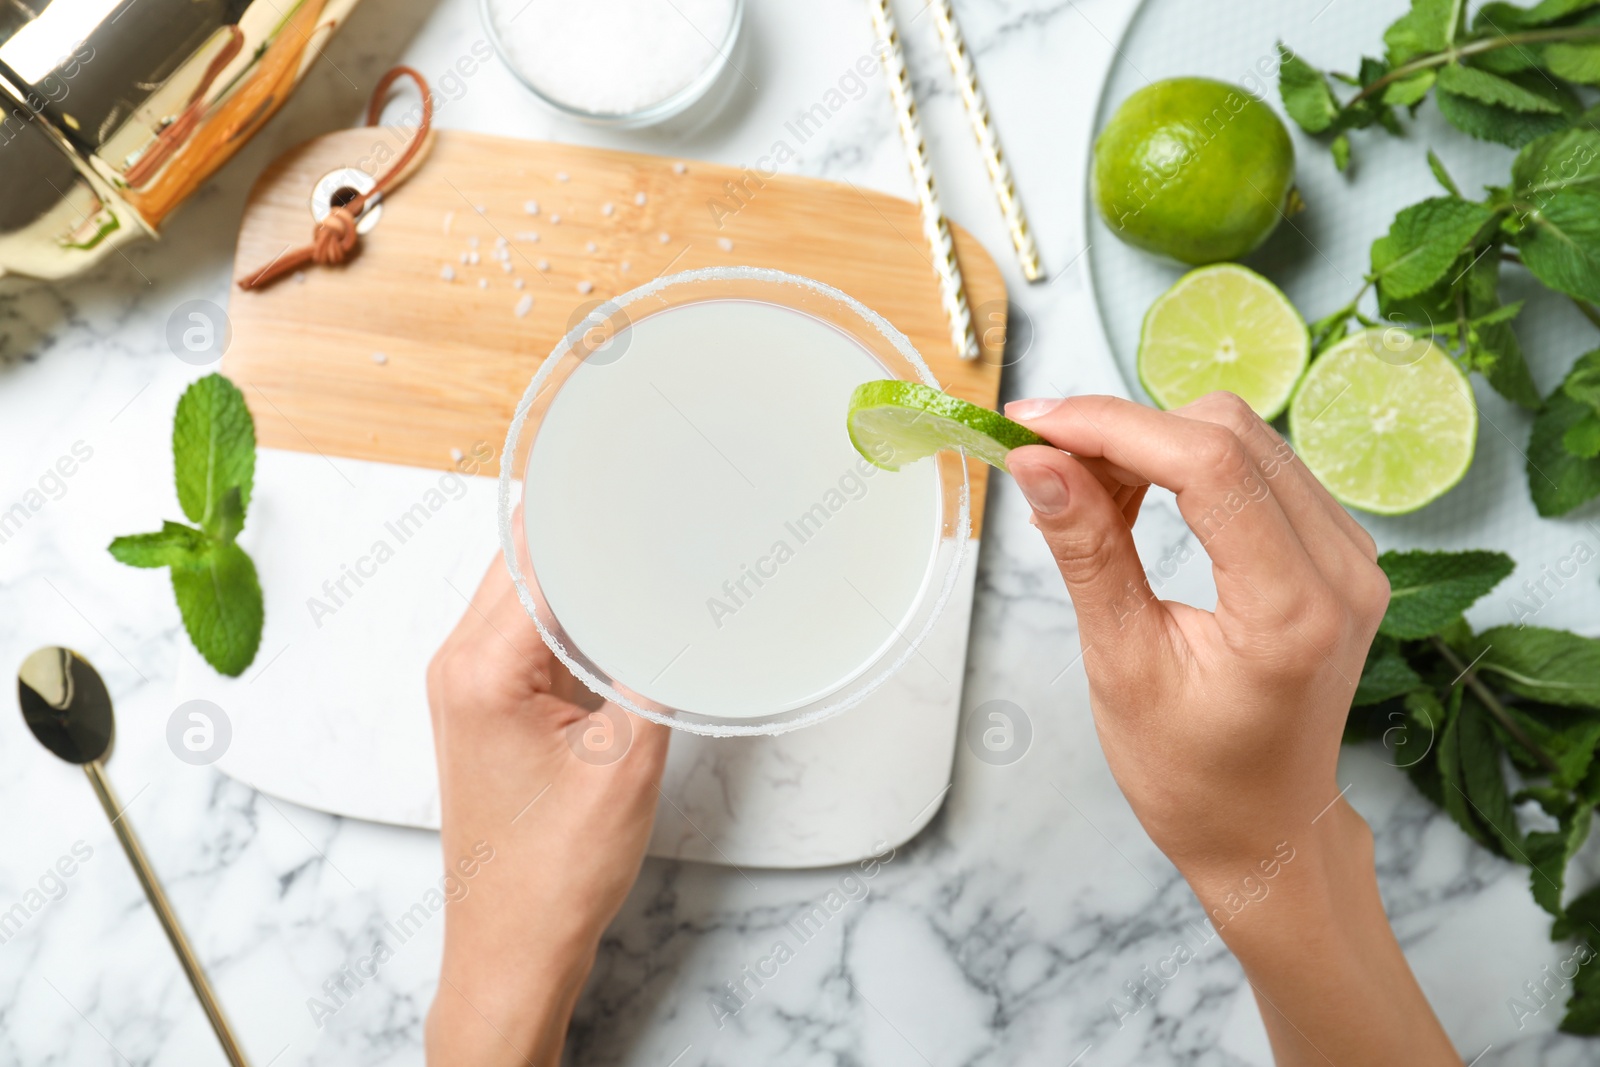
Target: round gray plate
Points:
(1319, 256)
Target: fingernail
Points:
(1043, 487)
(1031, 409)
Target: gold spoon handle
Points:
(163, 909)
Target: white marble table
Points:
(1001, 935)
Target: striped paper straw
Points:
(1005, 190)
(934, 227)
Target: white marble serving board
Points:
(333, 714)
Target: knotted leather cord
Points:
(335, 236)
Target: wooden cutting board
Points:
(369, 379)
(384, 359)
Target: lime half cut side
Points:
(893, 423)
(1386, 421)
(1223, 328)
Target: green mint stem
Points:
(1492, 703)
(1472, 48)
(1590, 312)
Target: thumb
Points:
(1092, 545)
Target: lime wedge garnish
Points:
(1386, 421)
(893, 423)
(1223, 327)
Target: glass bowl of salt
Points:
(618, 63)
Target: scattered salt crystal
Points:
(639, 198)
(483, 283)
(455, 454)
(501, 242)
(608, 208)
(517, 283)
(379, 357)
(473, 241)
(586, 287)
(724, 244)
(543, 264)
(448, 273)
(505, 265)
(524, 306)
(611, 56)
(299, 276)
(466, 257)
(680, 168)
(528, 235)
(663, 237)
(563, 176)
(555, 220)
(531, 206)
(449, 217)
(592, 247)
(502, 254)
(472, 257)
(626, 266)
(479, 208)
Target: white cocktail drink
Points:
(701, 527)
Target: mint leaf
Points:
(1582, 438)
(1576, 61)
(174, 544)
(219, 597)
(213, 580)
(1430, 26)
(1453, 785)
(1386, 675)
(1340, 147)
(1583, 1007)
(1582, 917)
(1494, 352)
(1424, 241)
(1502, 314)
(1583, 380)
(1305, 93)
(1558, 480)
(213, 449)
(1504, 125)
(1562, 160)
(1550, 666)
(1409, 91)
(1490, 801)
(1493, 89)
(1475, 792)
(1549, 851)
(1411, 744)
(1560, 240)
(1429, 590)
(1567, 735)
(1510, 16)
(1441, 175)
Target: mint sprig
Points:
(1493, 727)
(213, 579)
(1506, 74)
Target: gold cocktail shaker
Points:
(116, 110)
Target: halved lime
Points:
(1223, 327)
(893, 423)
(1386, 421)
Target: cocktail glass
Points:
(699, 542)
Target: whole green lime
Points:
(1194, 169)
